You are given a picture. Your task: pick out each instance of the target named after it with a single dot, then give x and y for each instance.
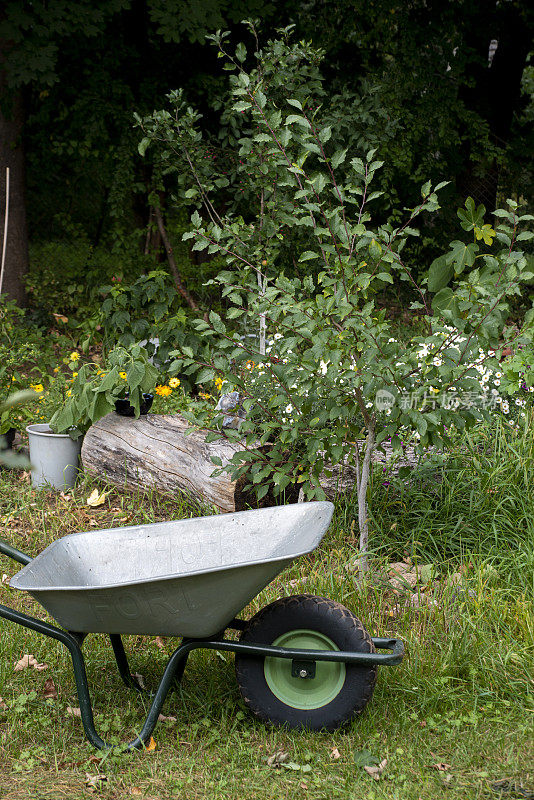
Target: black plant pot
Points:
(124, 408)
(9, 438)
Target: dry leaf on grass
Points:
(97, 498)
(5, 580)
(49, 689)
(334, 753)
(139, 678)
(3, 705)
(277, 759)
(375, 772)
(73, 711)
(163, 718)
(160, 643)
(151, 745)
(29, 661)
(94, 782)
(440, 766)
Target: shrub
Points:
(339, 383)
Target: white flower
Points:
(289, 409)
(277, 336)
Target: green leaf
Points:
(338, 158)
(205, 375)
(307, 255)
(440, 273)
(142, 146)
(463, 255)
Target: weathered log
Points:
(342, 479)
(154, 452)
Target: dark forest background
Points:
(443, 90)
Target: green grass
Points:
(462, 697)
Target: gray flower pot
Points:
(54, 457)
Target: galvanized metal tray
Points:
(184, 578)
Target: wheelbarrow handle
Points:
(12, 552)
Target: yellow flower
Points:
(163, 391)
(218, 383)
(174, 383)
(74, 374)
(56, 369)
(122, 375)
(37, 387)
(250, 365)
(204, 396)
(74, 356)
(13, 379)
(69, 392)
(99, 372)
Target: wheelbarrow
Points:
(302, 661)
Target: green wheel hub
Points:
(304, 693)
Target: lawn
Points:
(455, 718)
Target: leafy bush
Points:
(338, 374)
(95, 389)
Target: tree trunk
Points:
(495, 92)
(153, 452)
(12, 156)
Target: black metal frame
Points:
(176, 664)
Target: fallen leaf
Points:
(96, 498)
(3, 705)
(151, 745)
(74, 712)
(60, 317)
(277, 759)
(95, 782)
(440, 766)
(139, 678)
(163, 718)
(375, 772)
(49, 689)
(29, 661)
(298, 582)
(5, 579)
(160, 643)
(334, 753)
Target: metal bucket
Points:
(54, 457)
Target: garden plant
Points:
(338, 382)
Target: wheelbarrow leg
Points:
(122, 663)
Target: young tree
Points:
(336, 383)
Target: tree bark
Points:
(153, 452)
(12, 156)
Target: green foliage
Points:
(335, 358)
(146, 311)
(94, 390)
(7, 457)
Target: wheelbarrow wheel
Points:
(335, 694)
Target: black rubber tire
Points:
(311, 613)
